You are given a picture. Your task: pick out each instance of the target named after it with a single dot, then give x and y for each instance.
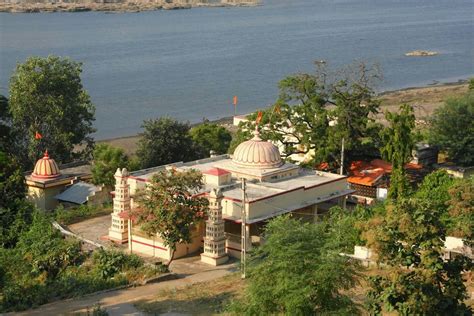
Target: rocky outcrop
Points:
(421, 53)
(32, 6)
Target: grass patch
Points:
(206, 298)
(67, 216)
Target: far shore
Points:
(117, 6)
(424, 99)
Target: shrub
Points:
(111, 262)
(76, 214)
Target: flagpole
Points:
(234, 101)
(243, 244)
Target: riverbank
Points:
(118, 6)
(424, 100)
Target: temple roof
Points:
(46, 168)
(257, 153)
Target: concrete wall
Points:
(154, 246)
(279, 202)
(44, 198)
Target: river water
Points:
(189, 63)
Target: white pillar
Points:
(118, 230)
(214, 241)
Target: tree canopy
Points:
(164, 141)
(398, 141)
(452, 129)
(409, 241)
(314, 112)
(461, 210)
(210, 136)
(295, 273)
(106, 160)
(15, 212)
(169, 207)
(47, 97)
(6, 141)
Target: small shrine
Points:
(47, 181)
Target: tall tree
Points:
(210, 136)
(295, 273)
(409, 241)
(435, 188)
(164, 141)
(15, 212)
(314, 112)
(47, 97)
(461, 210)
(6, 140)
(398, 142)
(106, 160)
(452, 129)
(170, 208)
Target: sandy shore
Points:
(424, 99)
(116, 6)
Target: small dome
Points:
(46, 168)
(256, 153)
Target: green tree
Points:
(295, 273)
(105, 162)
(210, 136)
(435, 188)
(170, 208)
(15, 212)
(47, 96)
(461, 210)
(471, 84)
(409, 241)
(45, 250)
(452, 129)
(5, 126)
(238, 137)
(398, 142)
(164, 141)
(314, 112)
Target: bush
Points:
(76, 214)
(111, 262)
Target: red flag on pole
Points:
(235, 100)
(38, 135)
(259, 117)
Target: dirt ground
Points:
(206, 298)
(211, 298)
(425, 100)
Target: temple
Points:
(49, 185)
(273, 188)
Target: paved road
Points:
(121, 302)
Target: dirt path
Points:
(121, 302)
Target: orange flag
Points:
(235, 100)
(38, 135)
(259, 117)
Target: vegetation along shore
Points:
(425, 99)
(118, 6)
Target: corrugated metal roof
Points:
(77, 193)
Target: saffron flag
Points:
(235, 100)
(38, 135)
(259, 117)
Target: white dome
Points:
(256, 153)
